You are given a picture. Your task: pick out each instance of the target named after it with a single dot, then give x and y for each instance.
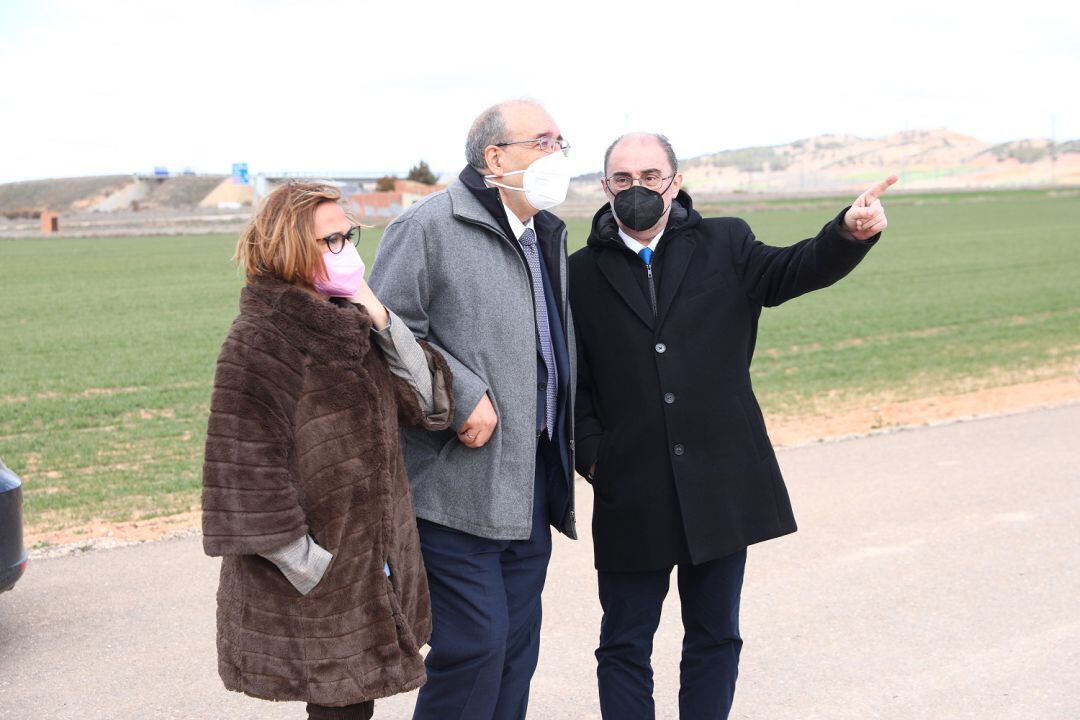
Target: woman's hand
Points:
(366, 297)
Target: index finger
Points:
(881, 187)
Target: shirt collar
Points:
(635, 246)
(516, 225)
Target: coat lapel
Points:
(467, 208)
(676, 260)
(620, 274)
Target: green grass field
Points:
(108, 345)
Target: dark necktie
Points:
(532, 256)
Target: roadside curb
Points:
(894, 429)
(106, 543)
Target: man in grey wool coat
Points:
(479, 271)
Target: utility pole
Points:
(1053, 150)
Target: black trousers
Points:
(360, 711)
(709, 594)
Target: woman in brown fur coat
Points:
(323, 596)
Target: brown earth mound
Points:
(28, 199)
(182, 191)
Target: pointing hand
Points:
(866, 216)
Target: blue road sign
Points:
(240, 174)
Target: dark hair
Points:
(662, 139)
(488, 129)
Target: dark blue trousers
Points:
(709, 594)
(486, 612)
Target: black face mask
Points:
(639, 208)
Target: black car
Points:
(13, 556)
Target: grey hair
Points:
(489, 129)
(662, 139)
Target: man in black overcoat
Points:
(669, 433)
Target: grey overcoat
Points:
(450, 272)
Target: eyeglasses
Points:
(623, 181)
(546, 143)
(336, 243)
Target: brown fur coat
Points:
(303, 438)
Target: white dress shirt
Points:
(635, 246)
(516, 226)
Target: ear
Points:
(604, 187)
(493, 158)
(676, 183)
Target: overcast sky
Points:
(118, 86)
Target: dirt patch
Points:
(99, 392)
(867, 416)
(875, 414)
(123, 532)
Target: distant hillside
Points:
(925, 160)
(105, 193)
(27, 199)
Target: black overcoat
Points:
(684, 467)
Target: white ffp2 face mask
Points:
(545, 183)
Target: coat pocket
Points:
(451, 443)
(715, 281)
(599, 455)
(755, 424)
(428, 442)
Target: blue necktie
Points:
(532, 256)
(646, 255)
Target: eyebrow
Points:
(341, 232)
(643, 172)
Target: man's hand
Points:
(477, 430)
(866, 217)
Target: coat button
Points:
(661, 348)
(679, 449)
(669, 398)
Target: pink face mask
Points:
(344, 273)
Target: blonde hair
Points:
(280, 238)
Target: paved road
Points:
(936, 575)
